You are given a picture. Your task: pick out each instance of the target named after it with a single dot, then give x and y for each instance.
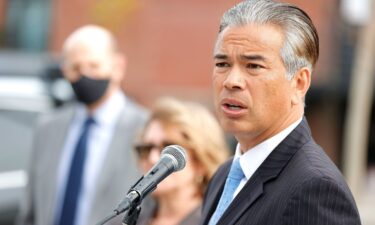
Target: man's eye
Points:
(254, 66)
(222, 64)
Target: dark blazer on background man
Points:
(297, 184)
(116, 176)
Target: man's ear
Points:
(120, 64)
(300, 83)
(67, 73)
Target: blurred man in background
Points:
(82, 162)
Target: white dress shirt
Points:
(99, 139)
(254, 157)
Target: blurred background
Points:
(169, 45)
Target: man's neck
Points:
(249, 140)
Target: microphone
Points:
(172, 159)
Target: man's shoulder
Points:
(135, 108)
(309, 158)
(313, 162)
(60, 114)
(134, 113)
(131, 120)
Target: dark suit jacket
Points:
(296, 184)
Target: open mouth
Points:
(233, 106)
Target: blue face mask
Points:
(88, 90)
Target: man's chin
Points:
(231, 126)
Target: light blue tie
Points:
(233, 180)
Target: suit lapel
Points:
(268, 171)
(215, 192)
(116, 161)
(111, 162)
(55, 142)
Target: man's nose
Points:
(84, 69)
(235, 79)
(154, 155)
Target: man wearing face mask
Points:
(83, 163)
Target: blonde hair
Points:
(203, 135)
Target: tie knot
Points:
(89, 121)
(236, 170)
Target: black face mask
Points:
(88, 90)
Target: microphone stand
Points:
(130, 205)
(131, 216)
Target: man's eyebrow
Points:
(253, 57)
(243, 57)
(220, 56)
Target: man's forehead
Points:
(89, 38)
(88, 49)
(252, 37)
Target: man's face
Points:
(95, 62)
(251, 92)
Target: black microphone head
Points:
(177, 154)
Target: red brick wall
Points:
(169, 43)
(169, 46)
(2, 13)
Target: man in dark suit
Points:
(264, 56)
(83, 161)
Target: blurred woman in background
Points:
(178, 198)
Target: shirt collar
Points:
(254, 157)
(107, 113)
